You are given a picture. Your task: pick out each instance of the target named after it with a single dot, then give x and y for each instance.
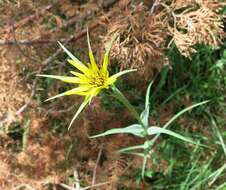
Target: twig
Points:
(97, 163)
(30, 42)
(77, 183)
(156, 3)
(39, 40)
(84, 188)
(9, 118)
(19, 48)
(66, 186)
(96, 185)
(173, 14)
(22, 22)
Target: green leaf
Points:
(216, 174)
(118, 95)
(224, 54)
(158, 130)
(135, 129)
(136, 154)
(145, 114)
(178, 115)
(183, 111)
(132, 148)
(148, 94)
(144, 165)
(219, 65)
(146, 145)
(122, 73)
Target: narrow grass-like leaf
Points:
(183, 111)
(173, 94)
(219, 136)
(222, 142)
(144, 146)
(144, 165)
(217, 173)
(178, 115)
(145, 114)
(194, 163)
(118, 95)
(159, 130)
(135, 129)
(221, 187)
(136, 154)
(131, 148)
(161, 82)
(202, 172)
(147, 97)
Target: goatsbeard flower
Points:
(90, 79)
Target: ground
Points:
(37, 151)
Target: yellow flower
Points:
(89, 78)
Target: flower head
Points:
(90, 79)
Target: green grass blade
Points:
(131, 148)
(135, 129)
(159, 130)
(118, 95)
(221, 141)
(144, 166)
(147, 97)
(145, 114)
(217, 174)
(183, 111)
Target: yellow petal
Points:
(70, 54)
(78, 90)
(82, 106)
(106, 58)
(72, 91)
(110, 43)
(80, 75)
(105, 65)
(113, 78)
(64, 78)
(91, 57)
(93, 62)
(80, 67)
(83, 77)
(93, 92)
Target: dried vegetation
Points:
(27, 30)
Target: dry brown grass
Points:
(141, 44)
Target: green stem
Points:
(118, 95)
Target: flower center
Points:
(97, 81)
